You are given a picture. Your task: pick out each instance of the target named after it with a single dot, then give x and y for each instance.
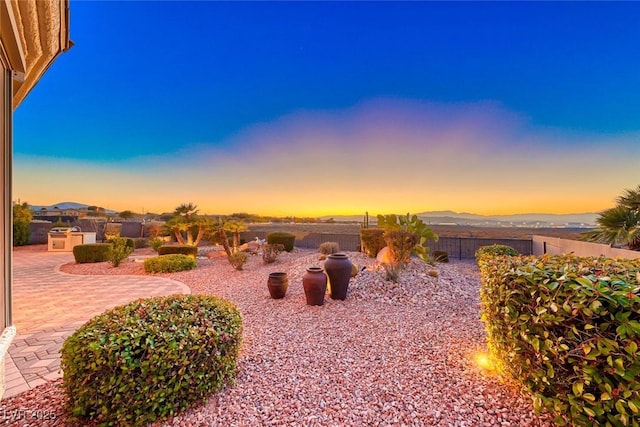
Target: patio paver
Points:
(48, 306)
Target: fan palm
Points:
(618, 225)
(630, 199)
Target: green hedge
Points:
(372, 240)
(169, 263)
(150, 359)
(92, 252)
(568, 328)
(285, 239)
(191, 251)
(488, 252)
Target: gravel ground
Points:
(389, 355)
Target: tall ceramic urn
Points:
(338, 268)
(314, 283)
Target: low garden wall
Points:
(556, 246)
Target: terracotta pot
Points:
(338, 268)
(314, 283)
(277, 284)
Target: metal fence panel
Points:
(456, 247)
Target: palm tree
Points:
(186, 210)
(620, 224)
(630, 199)
(184, 220)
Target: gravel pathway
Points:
(389, 355)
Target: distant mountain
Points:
(539, 220)
(67, 205)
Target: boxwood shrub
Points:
(92, 252)
(169, 263)
(372, 240)
(150, 359)
(192, 251)
(568, 328)
(285, 239)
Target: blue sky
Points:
(482, 107)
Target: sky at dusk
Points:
(313, 108)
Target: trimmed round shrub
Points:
(192, 251)
(150, 359)
(92, 252)
(169, 263)
(372, 240)
(285, 239)
(128, 241)
(440, 256)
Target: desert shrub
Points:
(328, 248)
(400, 244)
(372, 240)
(169, 263)
(120, 251)
(237, 259)
(150, 359)
(128, 241)
(413, 225)
(270, 252)
(191, 251)
(141, 242)
(285, 239)
(567, 328)
(92, 252)
(156, 243)
(440, 256)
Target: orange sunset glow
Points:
(381, 157)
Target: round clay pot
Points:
(314, 283)
(338, 268)
(277, 284)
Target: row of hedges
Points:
(568, 328)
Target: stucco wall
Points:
(557, 246)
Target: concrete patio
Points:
(48, 306)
